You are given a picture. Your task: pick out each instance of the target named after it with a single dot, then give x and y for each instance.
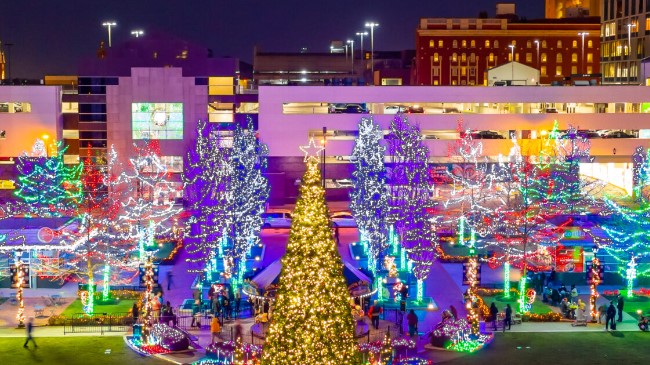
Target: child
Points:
(215, 328)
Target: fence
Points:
(97, 323)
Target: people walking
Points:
(374, 312)
(412, 320)
(508, 318)
(215, 328)
(611, 314)
(574, 294)
(135, 312)
(551, 277)
(29, 328)
(493, 315)
(619, 306)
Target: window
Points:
(432, 43)
(558, 70)
(558, 58)
(472, 43)
(590, 57)
(463, 57)
(454, 44)
(440, 43)
(542, 70)
(463, 43)
(529, 57)
(472, 57)
(221, 86)
(590, 69)
(574, 57)
(543, 57)
(496, 44)
(574, 70)
(491, 57)
(517, 57)
(435, 57)
(544, 44)
(454, 57)
(559, 43)
(463, 71)
(509, 56)
(15, 107)
(590, 44)
(529, 44)
(487, 43)
(436, 71)
(574, 44)
(472, 71)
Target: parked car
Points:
(487, 135)
(617, 134)
(276, 220)
(394, 109)
(354, 109)
(336, 108)
(551, 110)
(415, 109)
(343, 219)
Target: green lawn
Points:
(574, 348)
(122, 307)
(71, 351)
(539, 307)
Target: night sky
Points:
(51, 36)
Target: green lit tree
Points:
(312, 321)
(47, 185)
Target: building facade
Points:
(558, 9)
(452, 52)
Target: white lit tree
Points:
(369, 196)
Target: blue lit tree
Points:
(369, 196)
(411, 193)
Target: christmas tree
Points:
(46, 185)
(369, 197)
(312, 321)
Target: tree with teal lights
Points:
(369, 195)
(47, 185)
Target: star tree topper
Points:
(311, 150)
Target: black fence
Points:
(97, 323)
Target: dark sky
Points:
(51, 36)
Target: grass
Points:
(122, 306)
(71, 351)
(575, 348)
(538, 307)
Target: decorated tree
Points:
(250, 192)
(369, 196)
(46, 185)
(207, 176)
(411, 193)
(312, 321)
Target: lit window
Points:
(463, 57)
(472, 43)
(559, 43)
(435, 57)
(432, 43)
(574, 57)
(529, 57)
(544, 44)
(440, 43)
(491, 57)
(589, 69)
(463, 71)
(574, 44)
(558, 70)
(454, 57)
(487, 44)
(454, 44)
(463, 43)
(529, 44)
(590, 57)
(574, 70)
(472, 57)
(543, 57)
(590, 44)
(542, 70)
(496, 44)
(558, 58)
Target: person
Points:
(555, 297)
(574, 294)
(215, 328)
(155, 309)
(135, 312)
(564, 307)
(29, 328)
(196, 320)
(238, 331)
(374, 312)
(602, 310)
(412, 320)
(237, 297)
(611, 315)
(508, 318)
(545, 295)
(619, 306)
(170, 277)
(226, 306)
(564, 293)
(216, 307)
(643, 323)
(212, 291)
(453, 311)
(541, 281)
(493, 314)
(551, 277)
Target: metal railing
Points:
(97, 323)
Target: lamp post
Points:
(346, 52)
(512, 62)
(537, 46)
(361, 55)
(629, 48)
(351, 42)
(372, 27)
(137, 33)
(109, 25)
(582, 59)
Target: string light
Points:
(20, 316)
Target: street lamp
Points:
(372, 27)
(537, 46)
(512, 62)
(629, 48)
(109, 25)
(362, 56)
(351, 42)
(137, 33)
(582, 59)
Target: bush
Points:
(124, 319)
(546, 317)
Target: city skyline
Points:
(63, 33)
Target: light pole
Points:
(137, 33)
(537, 46)
(346, 52)
(629, 48)
(351, 42)
(361, 55)
(512, 63)
(582, 59)
(372, 27)
(109, 25)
